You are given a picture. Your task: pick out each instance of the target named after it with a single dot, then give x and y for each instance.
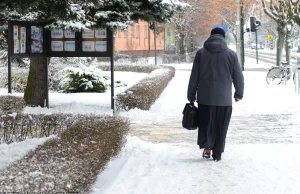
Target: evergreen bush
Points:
(84, 83)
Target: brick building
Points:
(138, 39)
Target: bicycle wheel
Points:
(274, 76)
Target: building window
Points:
(137, 32)
(160, 37)
(131, 31)
(125, 33)
(119, 34)
(145, 31)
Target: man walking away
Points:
(214, 70)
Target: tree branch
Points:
(269, 13)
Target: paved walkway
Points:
(252, 129)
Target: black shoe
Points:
(205, 154)
(216, 156)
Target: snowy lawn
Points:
(83, 103)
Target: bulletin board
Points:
(88, 43)
(26, 39)
(29, 39)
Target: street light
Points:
(153, 27)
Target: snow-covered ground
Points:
(83, 103)
(15, 151)
(179, 169)
(261, 153)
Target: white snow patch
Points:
(11, 152)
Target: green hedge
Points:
(18, 127)
(131, 68)
(10, 104)
(143, 94)
(70, 163)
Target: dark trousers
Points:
(213, 124)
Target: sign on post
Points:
(270, 37)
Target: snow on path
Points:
(259, 98)
(261, 154)
(179, 169)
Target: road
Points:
(267, 56)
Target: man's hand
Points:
(237, 99)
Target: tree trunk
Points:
(280, 42)
(235, 37)
(181, 44)
(288, 47)
(36, 91)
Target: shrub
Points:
(131, 68)
(10, 104)
(83, 83)
(70, 163)
(143, 94)
(82, 79)
(18, 79)
(18, 127)
(57, 64)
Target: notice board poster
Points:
(36, 39)
(94, 40)
(19, 39)
(22, 40)
(57, 46)
(101, 46)
(69, 46)
(63, 40)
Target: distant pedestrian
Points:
(214, 70)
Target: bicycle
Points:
(280, 74)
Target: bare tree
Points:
(281, 12)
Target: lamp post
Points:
(155, 58)
(238, 32)
(153, 27)
(242, 36)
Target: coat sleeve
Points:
(194, 79)
(238, 79)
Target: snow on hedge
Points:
(147, 91)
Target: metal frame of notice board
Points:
(23, 43)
